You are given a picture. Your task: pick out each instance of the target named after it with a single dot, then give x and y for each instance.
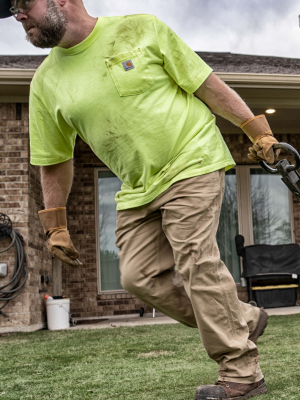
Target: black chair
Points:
(272, 273)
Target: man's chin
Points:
(44, 39)
(30, 38)
(35, 40)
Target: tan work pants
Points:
(179, 228)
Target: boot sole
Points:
(262, 389)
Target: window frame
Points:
(97, 227)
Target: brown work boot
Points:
(230, 390)
(260, 327)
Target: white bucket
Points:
(58, 314)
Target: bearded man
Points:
(143, 101)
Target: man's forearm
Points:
(224, 101)
(56, 184)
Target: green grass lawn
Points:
(165, 362)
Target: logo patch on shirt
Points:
(128, 65)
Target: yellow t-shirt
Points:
(127, 91)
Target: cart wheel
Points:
(142, 310)
(253, 303)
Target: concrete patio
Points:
(160, 319)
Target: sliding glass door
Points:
(256, 205)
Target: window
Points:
(228, 226)
(108, 186)
(256, 204)
(271, 218)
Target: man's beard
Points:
(50, 30)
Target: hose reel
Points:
(16, 283)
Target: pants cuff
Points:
(249, 379)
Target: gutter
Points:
(11, 76)
(262, 81)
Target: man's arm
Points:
(224, 101)
(56, 184)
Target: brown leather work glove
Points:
(259, 132)
(54, 221)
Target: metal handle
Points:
(291, 150)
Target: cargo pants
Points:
(179, 228)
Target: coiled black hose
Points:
(17, 281)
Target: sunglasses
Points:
(22, 6)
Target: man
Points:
(141, 98)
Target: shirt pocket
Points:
(130, 73)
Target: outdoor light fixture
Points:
(270, 111)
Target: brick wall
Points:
(40, 257)
(81, 284)
(20, 198)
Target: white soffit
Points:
(268, 81)
(10, 76)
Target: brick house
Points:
(94, 290)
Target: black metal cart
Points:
(272, 273)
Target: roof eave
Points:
(252, 80)
(14, 76)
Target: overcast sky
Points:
(262, 27)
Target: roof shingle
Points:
(244, 63)
(220, 62)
